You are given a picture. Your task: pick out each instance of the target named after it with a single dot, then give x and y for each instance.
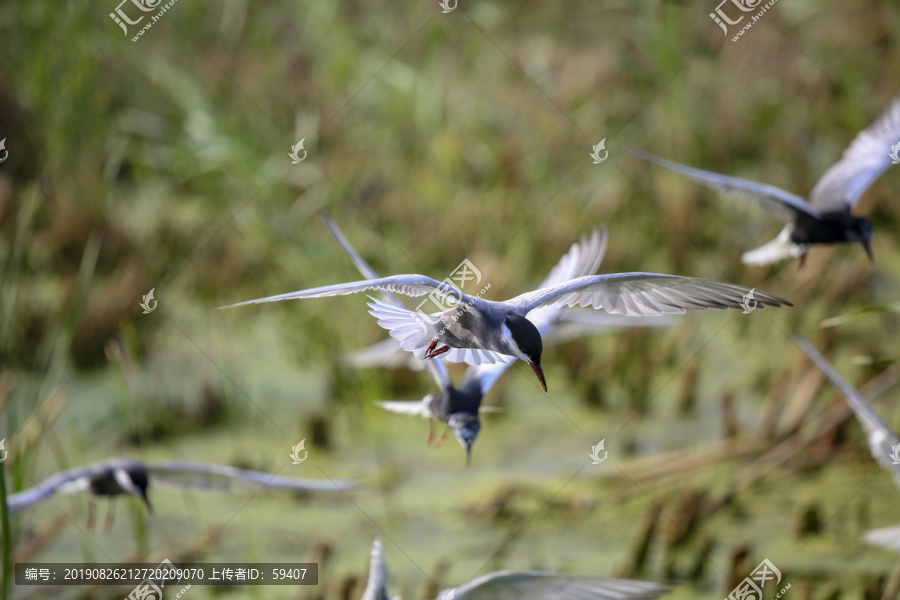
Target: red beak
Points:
(540, 374)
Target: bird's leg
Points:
(443, 438)
(90, 519)
(110, 514)
(430, 352)
(438, 352)
(430, 431)
(803, 260)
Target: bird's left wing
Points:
(881, 438)
(646, 294)
(204, 477)
(583, 258)
(510, 585)
(870, 153)
(409, 285)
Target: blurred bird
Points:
(477, 331)
(521, 585)
(459, 407)
(884, 443)
(119, 476)
(826, 218)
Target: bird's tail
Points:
(781, 248)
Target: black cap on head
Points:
(140, 479)
(528, 339)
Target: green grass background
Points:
(431, 138)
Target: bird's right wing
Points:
(511, 585)
(870, 153)
(436, 367)
(646, 294)
(204, 477)
(772, 199)
(881, 438)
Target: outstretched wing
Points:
(204, 477)
(774, 200)
(436, 367)
(645, 294)
(69, 481)
(66, 481)
(881, 438)
(510, 585)
(864, 160)
(583, 258)
(409, 285)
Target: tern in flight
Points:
(119, 476)
(478, 331)
(826, 218)
(458, 407)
